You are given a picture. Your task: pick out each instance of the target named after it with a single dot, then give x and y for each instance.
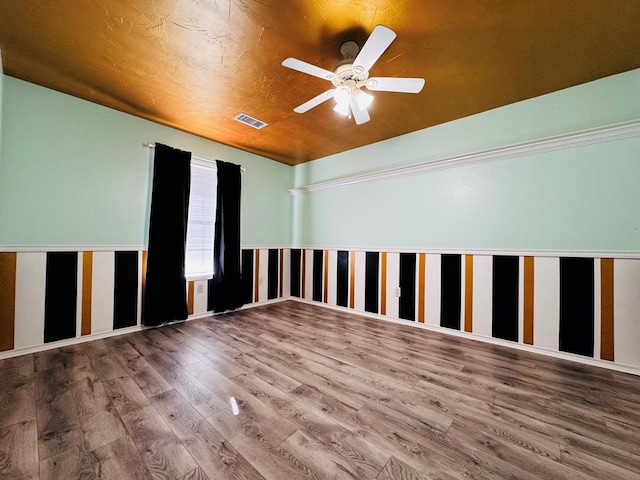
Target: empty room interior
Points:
(336, 239)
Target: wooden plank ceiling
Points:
(194, 65)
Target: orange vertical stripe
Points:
(422, 263)
(256, 278)
(528, 300)
(280, 281)
(190, 296)
(352, 275)
(326, 275)
(383, 285)
(87, 291)
(468, 293)
(304, 272)
(8, 262)
(606, 312)
(145, 255)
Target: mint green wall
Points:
(76, 173)
(584, 198)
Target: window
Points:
(201, 222)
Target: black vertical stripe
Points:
(505, 297)
(318, 267)
(125, 301)
(247, 276)
(576, 306)
(272, 274)
(450, 291)
(295, 272)
(342, 280)
(372, 281)
(61, 296)
(407, 286)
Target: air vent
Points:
(247, 120)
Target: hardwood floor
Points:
(291, 390)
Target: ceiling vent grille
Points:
(252, 122)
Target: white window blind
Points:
(202, 216)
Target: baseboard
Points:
(121, 331)
(493, 341)
(456, 333)
(69, 341)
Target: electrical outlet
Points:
(397, 292)
(200, 288)
(260, 281)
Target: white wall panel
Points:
(102, 295)
(200, 297)
(332, 280)
(546, 303)
(482, 294)
(393, 282)
(286, 272)
(433, 288)
(626, 308)
(360, 276)
(308, 275)
(263, 274)
(30, 292)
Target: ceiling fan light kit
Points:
(352, 74)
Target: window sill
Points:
(195, 278)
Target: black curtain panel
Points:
(225, 289)
(165, 292)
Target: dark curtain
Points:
(165, 292)
(225, 289)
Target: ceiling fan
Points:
(352, 73)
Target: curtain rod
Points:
(153, 145)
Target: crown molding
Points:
(607, 133)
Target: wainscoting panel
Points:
(626, 308)
(451, 291)
(127, 279)
(392, 285)
(546, 303)
(587, 307)
(358, 287)
(31, 268)
(482, 306)
(504, 304)
(247, 270)
(286, 272)
(433, 288)
(262, 281)
(307, 274)
(48, 297)
(342, 278)
(102, 291)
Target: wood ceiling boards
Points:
(195, 65)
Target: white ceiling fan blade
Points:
(360, 116)
(376, 44)
(315, 101)
(393, 84)
(307, 68)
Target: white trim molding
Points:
(607, 133)
(481, 251)
(72, 248)
(106, 248)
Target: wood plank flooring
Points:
(295, 391)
